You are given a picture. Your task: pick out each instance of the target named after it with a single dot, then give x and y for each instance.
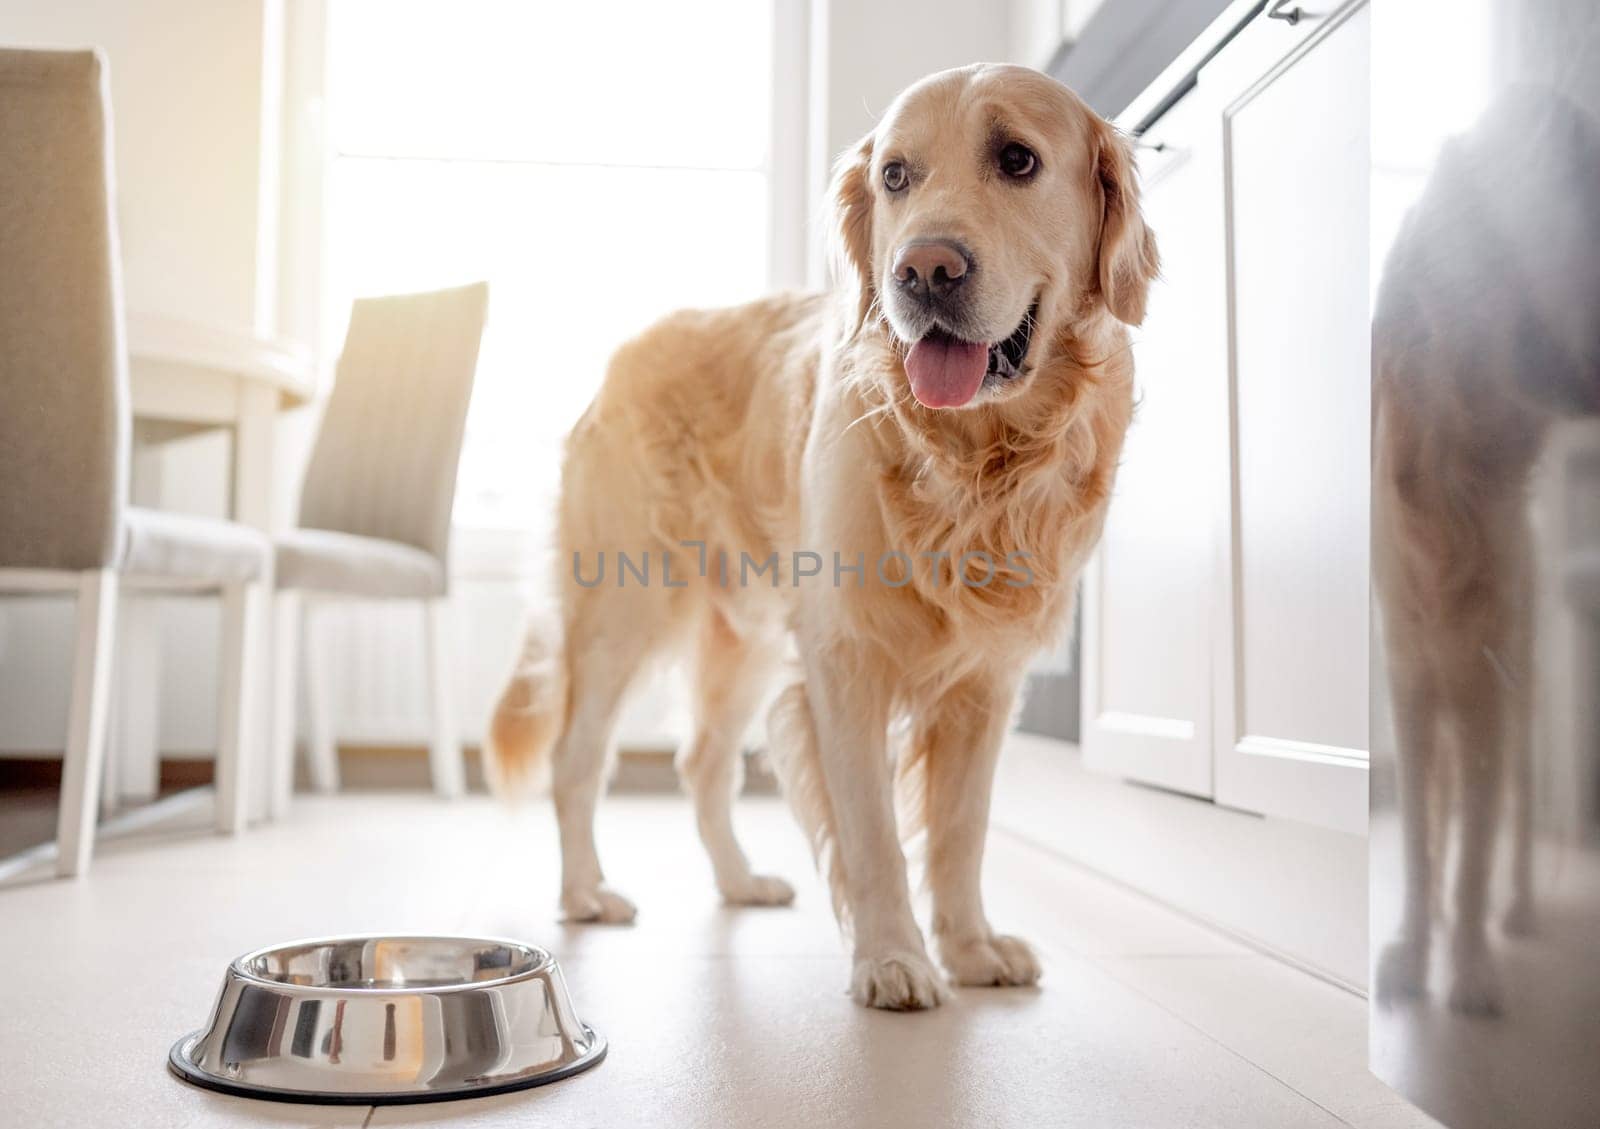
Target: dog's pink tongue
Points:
(944, 372)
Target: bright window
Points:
(600, 164)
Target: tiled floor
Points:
(715, 1016)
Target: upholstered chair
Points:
(65, 527)
(375, 513)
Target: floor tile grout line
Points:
(1181, 956)
(1203, 1033)
(1110, 973)
(1256, 947)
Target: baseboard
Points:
(382, 767)
(637, 771)
(1290, 889)
(43, 770)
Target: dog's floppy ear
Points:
(850, 201)
(1128, 258)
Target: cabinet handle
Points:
(1290, 17)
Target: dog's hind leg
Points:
(729, 674)
(610, 634)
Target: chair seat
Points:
(168, 546)
(320, 560)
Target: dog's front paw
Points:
(757, 890)
(898, 981)
(1475, 988)
(996, 960)
(599, 904)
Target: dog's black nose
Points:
(931, 268)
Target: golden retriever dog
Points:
(904, 474)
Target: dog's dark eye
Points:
(1018, 161)
(895, 177)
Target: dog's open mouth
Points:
(947, 372)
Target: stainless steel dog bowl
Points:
(388, 1020)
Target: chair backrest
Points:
(385, 460)
(63, 363)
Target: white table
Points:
(201, 376)
(187, 377)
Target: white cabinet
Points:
(1147, 596)
(1291, 649)
(1225, 648)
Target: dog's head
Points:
(988, 209)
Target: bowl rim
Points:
(182, 1067)
(543, 964)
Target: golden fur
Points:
(787, 426)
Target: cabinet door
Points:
(1146, 651)
(1291, 647)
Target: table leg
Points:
(253, 449)
(254, 459)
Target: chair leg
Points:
(135, 739)
(287, 616)
(236, 705)
(444, 753)
(111, 775)
(324, 749)
(84, 762)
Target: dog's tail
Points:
(530, 715)
(792, 745)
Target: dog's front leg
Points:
(850, 708)
(957, 746)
